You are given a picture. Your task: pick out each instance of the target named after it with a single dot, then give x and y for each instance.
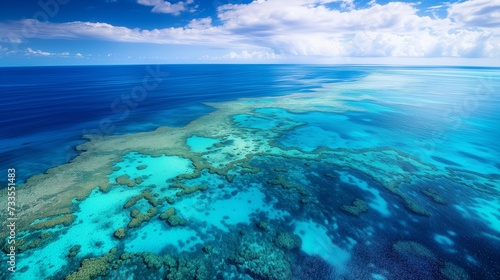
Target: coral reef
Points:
(153, 261)
(413, 248)
(169, 200)
(135, 213)
(304, 201)
(146, 194)
(167, 213)
(22, 245)
(263, 225)
(125, 180)
(357, 208)
(184, 269)
(172, 219)
(186, 189)
(97, 158)
(454, 272)
(119, 233)
(414, 207)
(142, 167)
(263, 263)
(65, 220)
(280, 170)
(138, 180)
(170, 267)
(175, 220)
(94, 267)
(131, 202)
(29, 242)
(388, 167)
(434, 196)
(287, 241)
(46, 234)
(73, 251)
(142, 217)
(207, 249)
(280, 181)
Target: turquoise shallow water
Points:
(392, 174)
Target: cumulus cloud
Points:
(165, 7)
(202, 23)
(393, 29)
(307, 28)
(476, 13)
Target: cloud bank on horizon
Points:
(260, 30)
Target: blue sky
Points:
(67, 32)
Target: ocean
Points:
(253, 171)
(48, 109)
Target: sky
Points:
(83, 32)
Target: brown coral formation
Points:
(287, 241)
(263, 225)
(186, 189)
(167, 213)
(357, 208)
(135, 213)
(119, 233)
(280, 181)
(125, 180)
(171, 217)
(263, 263)
(73, 251)
(94, 267)
(175, 220)
(434, 196)
(65, 220)
(175, 269)
(29, 242)
(414, 207)
(142, 167)
(142, 218)
(147, 194)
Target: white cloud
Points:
(200, 32)
(476, 13)
(30, 51)
(202, 23)
(165, 7)
(245, 54)
(394, 29)
(285, 28)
